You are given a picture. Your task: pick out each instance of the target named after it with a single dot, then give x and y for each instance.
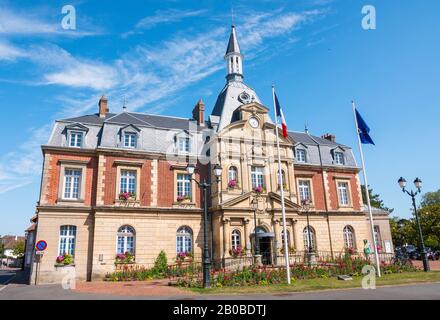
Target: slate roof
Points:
(141, 119)
(233, 45)
(305, 138)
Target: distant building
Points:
(9, 242)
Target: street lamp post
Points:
(204, 186)
(412, 194)
(257, 242)
(305, 204)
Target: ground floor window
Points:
(184, 240)
(67, 240)
(125, 241)
(349, 240)
(236, 239)
(309, 239)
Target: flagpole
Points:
(370, 213)
(280, 182)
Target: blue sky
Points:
(164, 56)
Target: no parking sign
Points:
(41, 246)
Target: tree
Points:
(430, 224)
(2, 249)
(375, 199)
(430, 198)
(405, 231)
(19, 249)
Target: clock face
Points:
(254, 122)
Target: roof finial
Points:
(232, 16)
(306, 127)
(124, 106)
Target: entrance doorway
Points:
(266, 250)
(265, 241)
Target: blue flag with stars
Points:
(364, 130)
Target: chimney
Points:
(199, 113)
(329, 137)
(103, 108)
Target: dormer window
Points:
(300, 155)
(76, 139)
(184, 144)
(339, 158)
(130, 140)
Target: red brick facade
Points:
(166, 183)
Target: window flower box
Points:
(127, 196)
(181, 199)
(64, 260)
(259, 190)
(184, 257)
(237, 252)
(232, 184)
(124, 258)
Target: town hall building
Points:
(114, 183)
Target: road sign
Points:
(41, 245)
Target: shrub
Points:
(161, 264)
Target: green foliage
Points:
(65, 259)
(250, 276)
(430, 198)
(161, 264)
(405, 230)
(19, 249)
(430, 223)
(2, 249)
(375, 199)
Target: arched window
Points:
(282, 238)
(184, 239)
(67, 240)
(283, 176)
(125, 240)
(349, 240)
(236, 239)
(232, 174)
(377, 237)
(309, 242)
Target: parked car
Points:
(431, 254)
(412, 252)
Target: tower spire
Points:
(233, 57)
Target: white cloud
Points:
(27, 24)
(163, 17)
(149, 77)
(9, 52)
(19, 168)
(98, 77)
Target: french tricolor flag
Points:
(280, 114)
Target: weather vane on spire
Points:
(232, 15)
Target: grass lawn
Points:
(326, 284)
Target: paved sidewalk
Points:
(434, 265)
(157, 288)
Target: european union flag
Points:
(364, 130)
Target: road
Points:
(14, 291)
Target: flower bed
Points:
(248, 276)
